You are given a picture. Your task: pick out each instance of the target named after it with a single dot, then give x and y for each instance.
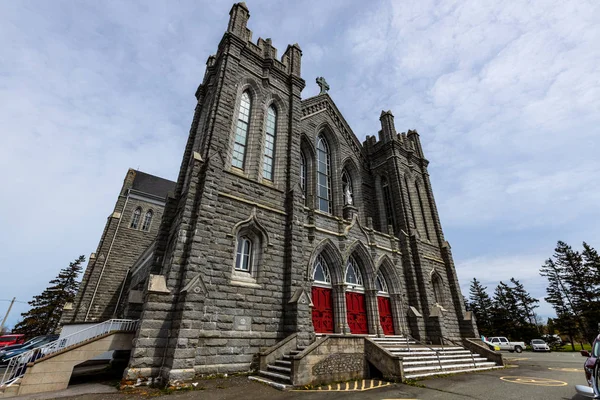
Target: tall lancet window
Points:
(303, 175)
(147, 221)
(270, 143)
(241, 131)
(135, 218)
(387, 200)
(423, 212)
(323, 175)
(347, 190)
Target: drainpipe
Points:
(107, 256)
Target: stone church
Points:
(281, 224)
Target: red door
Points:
(385, 315)
(357, 314)
(322, 314)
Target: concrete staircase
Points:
(278, 374)
(49, 367)
(419, 361)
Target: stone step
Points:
(452, 360)
(294, 352)
(275, 376)
(456, 371)
(428, 352)
(283, 363)
(278, 369)
(416, 357)
(267, 381)
(436, 368)
(287, 357)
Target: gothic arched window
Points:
(241, 131)
(321, 271)
(147, 221)
(270, 132)
(323, 175)
(412, 210)
(347, 189)
(243, 261)
(303, 174)
(353, 275)
(135, 218)
(387, 200)
(381, 284)
(438, 288)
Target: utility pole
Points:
(7, 312)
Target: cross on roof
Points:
(322, 84)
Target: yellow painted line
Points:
(355, 385)
(524, 380)
(517, 359)
(566, 369)
(365, 384)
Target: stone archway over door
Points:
(322, 313)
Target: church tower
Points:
(220, 264)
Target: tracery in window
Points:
(323, 175)
(381, 284)
(241, 131)
(321, 271)
(270, 132)
(243, 260)
(353, 275)
(135, 218)
(147, 221)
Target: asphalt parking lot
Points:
(530, 376)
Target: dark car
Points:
(592, 371)
(5, 356)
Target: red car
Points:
(9, 340)
(592, 371)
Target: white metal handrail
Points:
(17, 364)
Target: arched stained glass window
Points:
(135, 218)
(321, 271)
(147, 221)
(243, 260)
(270, 132)
(381, 284)
(241, 131)
(323, 175)
(353, 275)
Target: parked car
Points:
(591, 368)
(539, 345)
(15, 352)
(505, 344)
(34, 340)
(8, 340)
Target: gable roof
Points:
(151, 184)
(323, 102)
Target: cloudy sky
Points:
(505, 95)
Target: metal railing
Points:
(18, 364)
(460, 345)
(437, 353)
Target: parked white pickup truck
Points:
(504, 344)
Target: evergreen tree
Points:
(482, 306)
(46, 308)
(525, 303)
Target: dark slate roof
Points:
(151, 184)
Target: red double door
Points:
(322, 313)
(385, 315)
(357, 313)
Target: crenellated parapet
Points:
(408, 141)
